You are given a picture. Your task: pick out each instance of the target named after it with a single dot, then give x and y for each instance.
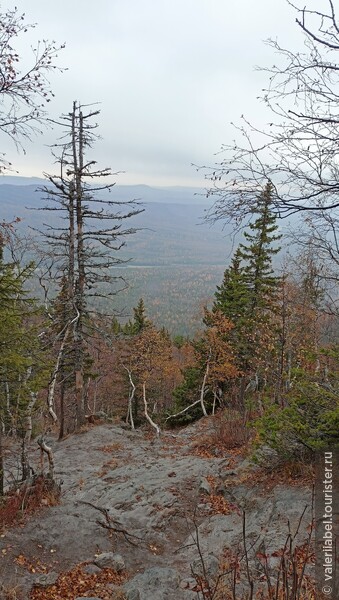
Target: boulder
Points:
(45, 579)
(91, 569)
(110, 560)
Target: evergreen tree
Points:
(258, 253)
(21, 364)
(140, 319)
(248, 295)
(232, 299)
(139, 322)
(232, 296)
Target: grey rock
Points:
(100, 414)
(133, 594)
(204, 487)
(267, 456)
(146, 502)
(91, 569)
(187, 585)
(248, 464)
(210, 566)
(157, 583)
(110, 560)
(115, 590)
(45, 579)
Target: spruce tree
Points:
(257, 254)
(248, 293)
(232, 300)
(140, 319)
(232, 296)
(21, 364)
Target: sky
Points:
(170, 77)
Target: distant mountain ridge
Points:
(142, 192)
(172, 230)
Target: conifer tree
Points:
(140, 319)
(249, 292)
(232, 296)
(257, 254)
(21, 364)
(232, 299)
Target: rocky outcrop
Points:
(160, 494)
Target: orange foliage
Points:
(77, 583)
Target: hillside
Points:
(176, 259)
(171, 230)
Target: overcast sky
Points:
(170, 76)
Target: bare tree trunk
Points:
(149, 419)
(25, 465)
(8, 409)
(203, 388)
(86, 395)
(28, 417)
(62, 403)
(184, 410)
(77, 142)
(214, 401)
(48, 450)
(52, 383)
(129, 417)
(95, 393)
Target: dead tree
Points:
(85, 242)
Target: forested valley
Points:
(180, 444)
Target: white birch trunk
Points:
(129, 417)
(149, 419)
(203, 387)
(52, 383)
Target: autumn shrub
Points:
(230, 430)
(27, 498)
